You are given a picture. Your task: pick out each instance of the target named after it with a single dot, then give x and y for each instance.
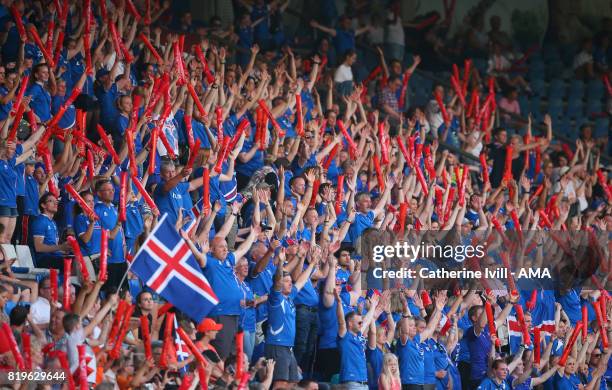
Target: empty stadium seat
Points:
(576, 89)
(595, 89)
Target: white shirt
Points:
(41, 311)
(343, 73)
(395, 31)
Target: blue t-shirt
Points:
(430, 369)
(564, 383)
(328, 326)
(375, 364)
(172, 201)
(490, 384)
(411, 361)
(30, 205)
(81, 224)
(344, 41)
(68, 119)
(108, 109)
(570, 303)
(281, 318)
(479, 347)
(222, 279)
(8, 183)
(247, 315)
(308, 295)
(41, 101)
(134, 224)
(45, 227)
(352, 358)
(261, 285)
(361, 223)
(256, 162)
(5, 109)
(108, 219)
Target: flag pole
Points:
(159, 223)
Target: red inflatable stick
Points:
(22, 88)
(206, 191)
(508, 164)
(153, 151)
(53, 280)
(421, 179)
(348, 138)
(192, 347)
(19, 23)
(379, 174)
(383, 143)
(78, 256)
(132, 9)
(604, 184)
(520, 316)
(146, 336)
(151, 48)
(239, 353)
(15, 125)
(585, 320)
(114, 331)
(123, 194)
(193, 153)
(67, 273)
(103, 274)
(108, 144)
(299, 114)
(484, 167)
(41, 46)
(220, 155)
(403, 210)
(402, 98)
(196, 99)
(145, 195)
(445, 116)
(568, 348)
(602, 324)
(26, 343)
(8, 335)
(458, 91)
(537, 348)
(491, 321)
(125, 326)
(402, 147)
(84, 206)
(83, 385)
(339, 194)
(264, 107)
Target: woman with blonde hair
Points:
(390, 377)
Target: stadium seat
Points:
(576, 89)
(555, 108)
(538, 86)
(594, 106)
(575, 108)
(602, 127)
(556, 89)
(595, 89)
(24, 261)
(554, 69)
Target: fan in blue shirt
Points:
(41, 98)
(48, 251)
(280, 335)
(170, 191)
(87, 228)
(498, 381)
(410, 348)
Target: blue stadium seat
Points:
(595, 89)
(593, 106)
(550, 53)
(576, 89)
(575, 107)
(556, 90)
(538, 86)
(535, 106)
(602, 127)
(555, 108)
(524, 104)
(555, 69)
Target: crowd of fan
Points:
(328, 164)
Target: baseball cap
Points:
(209, 324)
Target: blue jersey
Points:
(328, 326)
(172, 201)
(261, 285)
(308, 295)
(352, 358)
(8, 183)
(108, 109)
(256, 162)
(43, 226)
(68, 119)
(134, 224)
(281, 318)
(41, 101)
(30, 205)
(108, 219)
(5, 109)
(411, 361)
(374, 358)
(81, 224)
(247, 315)
(479, 346)
(223, 280)
(490, 384)
(362, 222)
